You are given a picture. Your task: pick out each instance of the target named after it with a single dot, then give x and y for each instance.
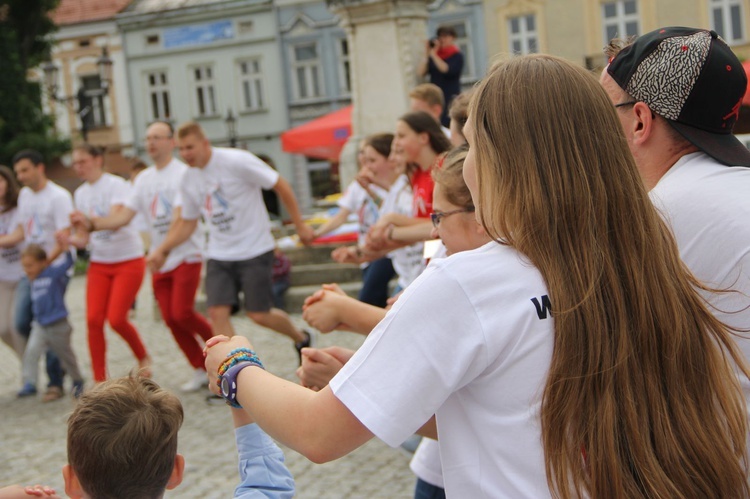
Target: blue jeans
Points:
(24, 316)
(279, 292)
(425, 490)
(375, 279)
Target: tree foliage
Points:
(25, 41)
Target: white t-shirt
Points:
(96, 200)
(155, 194)
(357, 200)
(43, 213)
(10, 258)
(227, 191)
(707, 205)
(408, 262)
(470, 341)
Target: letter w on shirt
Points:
(542, 307)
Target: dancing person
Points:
(418, 143)
(225, 186)
(695, 170)
(454, 223)
(154, 196)
(364, 196)
(10, 261)
(116, 266)
(51, 327)
(43, 210)
(587, 363)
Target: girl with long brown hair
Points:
(10, 260)
(571, 356)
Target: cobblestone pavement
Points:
(32, 434)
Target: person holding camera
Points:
(443, 62)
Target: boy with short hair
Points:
(122, 442)
(51, 328)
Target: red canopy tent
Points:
(322, 137)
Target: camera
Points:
(433, 43)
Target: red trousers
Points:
(111, 289)
(175, 294)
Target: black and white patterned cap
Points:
(690, 77)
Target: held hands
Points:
(80, 222)
(216, 351)
(306, 234)
(155, 260)
(320, 365)
(346, 254)
(322, 310)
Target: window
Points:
(203, 87)
(726, 20)
(523, 34)
(463, 41)
(91, 102)
(306, 71)
(345, 77)
(251, 84)
(620, 19)
(158, 96)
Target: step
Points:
(311, 254)
(318, 273)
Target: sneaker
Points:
(199, 380)
(77, 389)
(27, 391)
(309, 341)
(52, 393)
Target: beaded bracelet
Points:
(235, 357)
(239, 355)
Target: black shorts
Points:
(225, 280)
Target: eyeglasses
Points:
(628, 103)
(157, 137)
(437, 216)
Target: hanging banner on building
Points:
(198, 34)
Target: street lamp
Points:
(104, 67)
(231, 123)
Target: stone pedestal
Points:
(386, 40)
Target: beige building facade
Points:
(579, 29)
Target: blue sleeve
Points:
(60, 269)
(263, 473)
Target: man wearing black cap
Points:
(678, 92)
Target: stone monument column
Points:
(386, 40)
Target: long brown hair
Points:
(10, 200)
(641, 399)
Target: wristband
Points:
(235, 362)
(228, 383)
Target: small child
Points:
(50, 328)
(122, 442)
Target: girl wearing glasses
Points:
(330, 308)
(587, 364)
